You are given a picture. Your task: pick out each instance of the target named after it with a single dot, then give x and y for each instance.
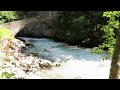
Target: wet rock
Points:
(56, 64)
(18, 42)
(45, 64)
(17, 45)
(33, 54)
(27, 43)
(45, 50)
(23, 49)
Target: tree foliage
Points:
(109, 36)
(8, 16)
(88, 28)
(80, 27)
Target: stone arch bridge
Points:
(31, 27)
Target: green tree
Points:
(8, 16)
(109, 35)
(80, 27)
(113, 24)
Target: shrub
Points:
(5, 34)
(8, 16)
(6, 75)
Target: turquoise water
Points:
(76, 61)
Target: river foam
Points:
(76, 61)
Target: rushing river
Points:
(76, 61)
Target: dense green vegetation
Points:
(93, 29)
(109, 36)
(8, 16)
(80, 27)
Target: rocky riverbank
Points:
(21, 65)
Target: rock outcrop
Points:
(23, 65)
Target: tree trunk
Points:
(115, 64)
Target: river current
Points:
(76, 62)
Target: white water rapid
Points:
(76, 62)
